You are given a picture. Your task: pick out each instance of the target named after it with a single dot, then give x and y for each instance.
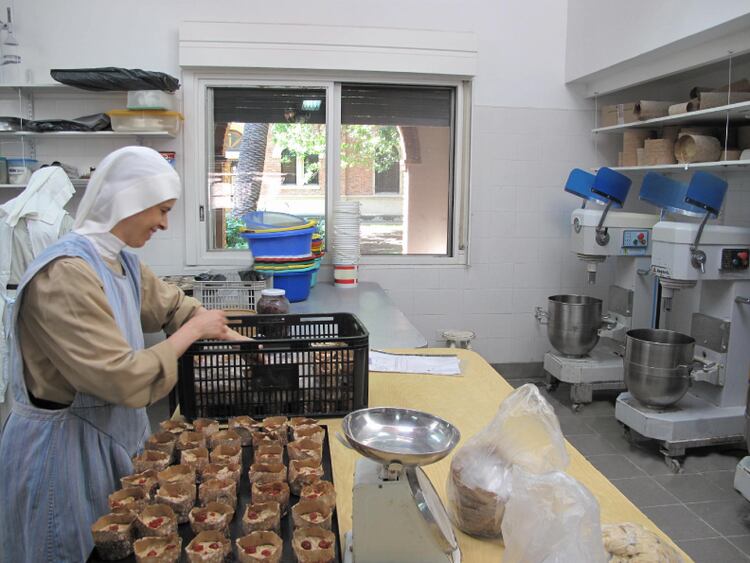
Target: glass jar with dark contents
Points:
(272, 302)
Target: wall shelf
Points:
(80, 183)
(692, 166)
(27, 86)
(80, 134)
(736, 112)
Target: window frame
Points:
(198, 108)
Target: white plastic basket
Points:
(228, 295)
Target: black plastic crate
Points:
(309, 365)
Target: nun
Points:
(80, 375)
(29, 223)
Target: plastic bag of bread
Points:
(478, 487)
(525, 431)
(632, 543)
(551, 518)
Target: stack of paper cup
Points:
(346, 243)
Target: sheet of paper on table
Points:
(416, 363)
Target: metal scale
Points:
(598, 233)
(713, 259)
(397, 515)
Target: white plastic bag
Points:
(551, 518)
(525, 432)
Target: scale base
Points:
(691, 423)
(348, 555)
(389, 525)
(600, 370)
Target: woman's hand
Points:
(204, 324)
(209, 324)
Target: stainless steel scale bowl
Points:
(403, 436)
(397, 514)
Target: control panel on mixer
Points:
(734, 259)
(634, 239)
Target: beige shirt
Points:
(71, 343)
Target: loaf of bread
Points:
(477, 493)
(632, 543)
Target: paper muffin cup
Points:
(254, 542)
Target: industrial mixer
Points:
(688, 390)
(574, 323)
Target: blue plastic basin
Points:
(284, 243)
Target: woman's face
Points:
(137, 229)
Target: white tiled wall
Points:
(519, 251)
(519, 230)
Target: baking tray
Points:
(243, 499)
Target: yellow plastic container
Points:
(145, 121)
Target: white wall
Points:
(604, 34)
(528, 131)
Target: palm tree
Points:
(250, 166)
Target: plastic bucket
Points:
(284, 243)
(314, 278)
(295, 284)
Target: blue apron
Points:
(58, 466)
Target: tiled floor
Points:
(698, 508)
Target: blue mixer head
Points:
(704, 193)
(707, 192)
(604, 187)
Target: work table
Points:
(469, 402)
(387, 325)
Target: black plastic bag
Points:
(95, 122)
(114, 78)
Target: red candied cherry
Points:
(171, 546)
(250, 549)
(200, 517)
(151, 553)
(156, 523)
(266, 552)
(141, 481)
(324, 544)
(313, 495)
(252, 515)
(113, 527)
(198, 547)
(214, 545)
(313, 516)
(306, 545)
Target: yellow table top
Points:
(469, 402)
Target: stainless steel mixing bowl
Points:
(574, 322)
(405, 436)
(657, 365)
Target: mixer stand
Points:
(600, 370)
(692, 423)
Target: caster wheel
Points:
(674, 464)
(577, 407)
(628, 435)
(552, 386)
